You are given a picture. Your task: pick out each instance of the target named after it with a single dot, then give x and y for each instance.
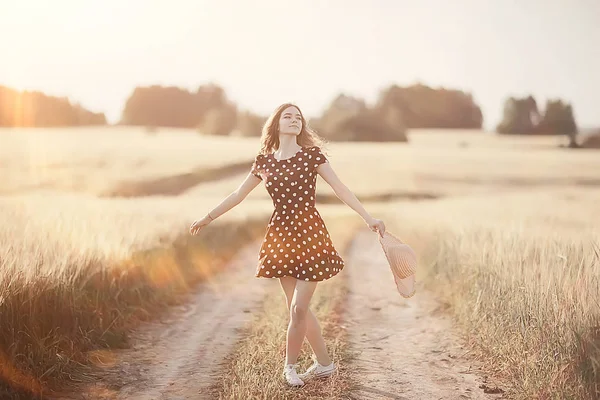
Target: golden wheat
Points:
(78, 273)
(512, 247)
(521, 273)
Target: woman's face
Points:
(290, 122)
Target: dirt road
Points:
(178, 358)
(406, 350)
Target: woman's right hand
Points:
(199, 224)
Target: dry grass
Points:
(96, 159)
(253, 369)
(433, 163)
(512, 254)
(522, 277)
(78, 274)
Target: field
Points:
(95, 241)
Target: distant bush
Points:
(35, 109)
(522, 117)
(249, 124)
(219, 121)
(175, 107)
(559, 120)
(349, 119)
(591, 141)
(424, 107)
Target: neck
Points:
(287, 145)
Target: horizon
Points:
(96, 54)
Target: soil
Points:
(405, 348)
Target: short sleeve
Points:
(318, 157)
(257, 167)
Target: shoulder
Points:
(259, 159)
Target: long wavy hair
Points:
(269, 141)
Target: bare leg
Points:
(313, 329)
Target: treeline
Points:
(521, 116)
(346, 118)
(35, 109)
(207, 109)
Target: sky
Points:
(266, 52)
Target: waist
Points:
(292, 209)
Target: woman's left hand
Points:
(376, 225)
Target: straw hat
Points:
(403, 263)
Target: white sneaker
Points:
(318, 371)
(290, 375)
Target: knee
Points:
(298, 313)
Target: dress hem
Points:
(300, 279)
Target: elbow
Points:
(342, 193)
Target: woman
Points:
(297, 248)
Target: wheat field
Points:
(506, 229)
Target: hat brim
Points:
(402, 261)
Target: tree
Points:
(349, 119)
(176, 107)
(249, 124)
(559, 120)
(424, 107)
(521, 116)
(36, 109)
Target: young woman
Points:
(297, 248)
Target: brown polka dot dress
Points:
(296, 242)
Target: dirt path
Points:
(178, 358)
(406, 349)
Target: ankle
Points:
(324, 361)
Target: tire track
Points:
(406, 350)
(178, 358)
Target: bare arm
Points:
(349, 198)
(235, 198)
(341, 190)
